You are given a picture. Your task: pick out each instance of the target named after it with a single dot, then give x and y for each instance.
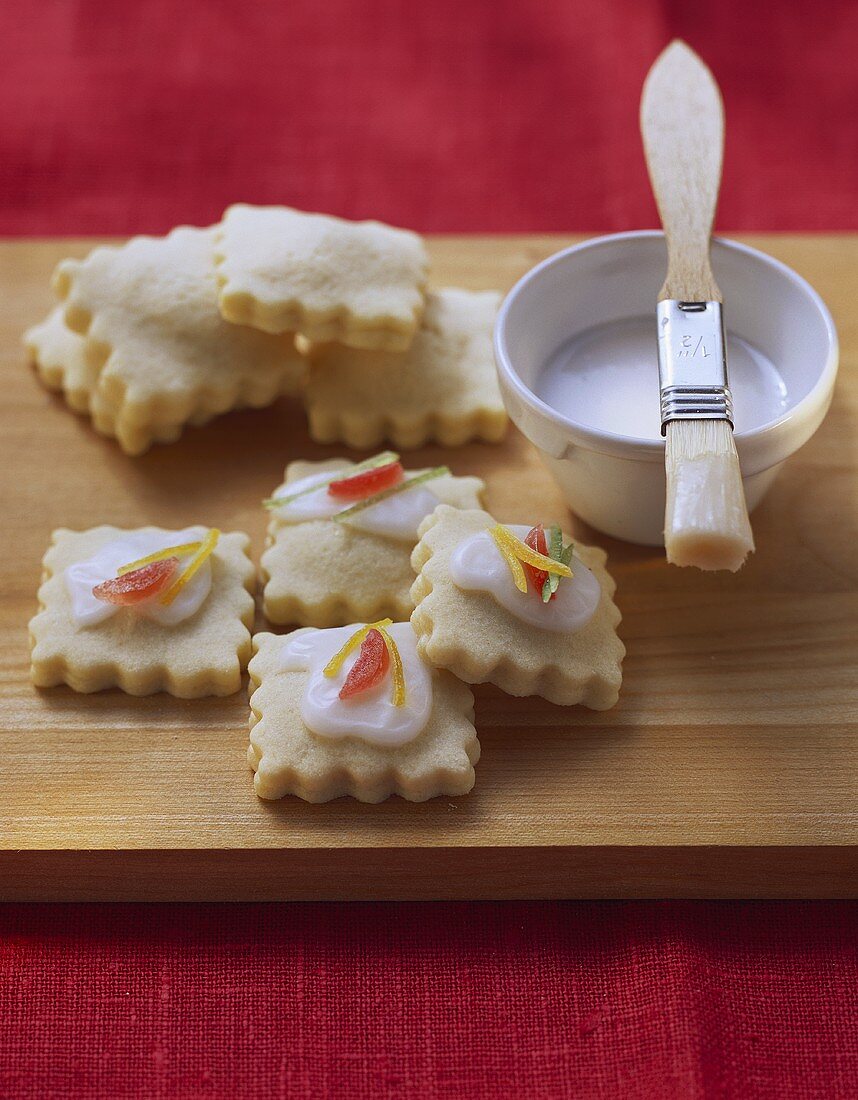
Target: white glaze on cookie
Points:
(83, 576)
(478, 564)
(370, 716)
(396, 517)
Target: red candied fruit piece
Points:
(536, 541)
(369, 668)
(138, 585)
(368, 483)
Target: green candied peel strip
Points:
(409, 483)
(558, 552)
(383, 459)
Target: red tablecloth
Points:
(449, 115)
(648, 999)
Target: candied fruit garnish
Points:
(138, 585)
(202, 555)
(367, 483)
(535, 539)
(370, 667)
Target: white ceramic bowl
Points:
(616, 481)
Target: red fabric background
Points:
(631, 1000)
(449, 115)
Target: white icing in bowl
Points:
(478, 564)
(370, 716)
(83, 576)
(600, 445)
(396, 517)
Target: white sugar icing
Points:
(396, 517)
(370, 716)
(83, 576)
(478, 564)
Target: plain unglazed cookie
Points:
(163, 355)
(281, 270)
(443, 388)
(321, 572)
(59, 356)
(77, 640)
(288, 757)
(63, 365)
(467, 631)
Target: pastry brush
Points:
(682, 122)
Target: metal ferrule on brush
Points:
(692, 362)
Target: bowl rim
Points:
(618, 443)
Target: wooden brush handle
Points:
(682, 123)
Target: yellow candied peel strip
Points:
(160, 555)
(396, 666)
(524, 553)
(509, 557)
(203, 554)
(336, 662)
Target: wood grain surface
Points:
(727, 769)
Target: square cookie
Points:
(321, 572)
(281, 270)
(366, 747)
(64, 366)
(161, 353)
(198, 645)
(471, 619)
(443, 388)
(59, 356)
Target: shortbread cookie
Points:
(472, 619)
(61, 361)
(307, 740)
(164, 355)
(443, 388)
(360, 283)
(321, 571)
(177, 622)
(59, 356)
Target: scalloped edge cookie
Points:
(470, 634)
(59, 357)
(62, 364)
(284, 270)
(443, 388)
(195, 367)
(321, 573)
(287, 758)
(202, 655)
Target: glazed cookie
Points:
(322, 570)
(512, 606)
(59, 356)
(282, 270)
(163, 355)
(145, 610)
(355, 711)
(443, 388)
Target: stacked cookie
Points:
(139, 344)
(164, 332)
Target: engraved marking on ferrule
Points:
(692, 363)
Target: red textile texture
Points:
(451, 115)
(606, 999)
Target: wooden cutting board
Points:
(729, 768)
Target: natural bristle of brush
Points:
(706, 518)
